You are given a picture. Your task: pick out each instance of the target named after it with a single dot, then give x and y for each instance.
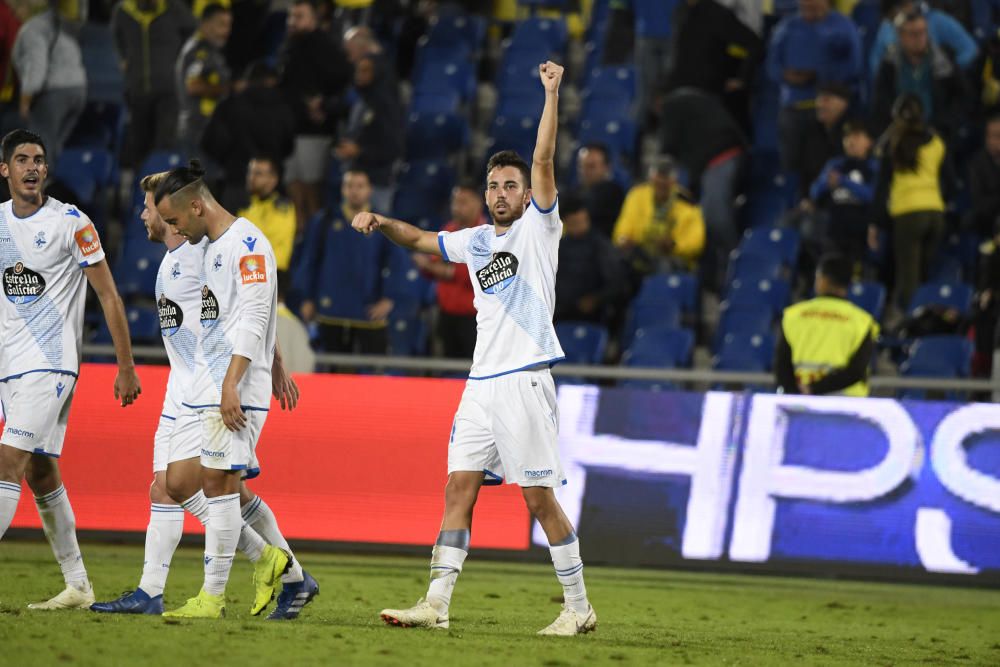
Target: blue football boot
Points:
(294, 597)
(131, 602)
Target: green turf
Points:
(646, 617)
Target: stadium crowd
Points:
(711, 152)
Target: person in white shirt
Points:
(231, 386)
(506, 423)
(177, 445)
(48, 252)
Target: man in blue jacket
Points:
(944, 30)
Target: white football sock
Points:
(261, 518)
(59, 524)
(163, 534)
(221, 535)
(447, 560)
(569, 572)
(251, 543)
(10, 494)
(198, 506)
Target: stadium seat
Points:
(143, 323)
(86, 172)
(515, 133)
(458, 28)
(610, 82)
(105, 80)
(518, 72)
(679, 288)
(771, 293)
(530, 33)
(780, 242)
(615, 132)
(869, 296)
(100, 125)
(435, 56)
(156, 161)
(583, 342)
(434, 102)
(435, 136)
(947, 269)
(745, 352)
(456, 76)
(526, 102)
(937, 357)
(432, 176)
(749, 267)
(764, 209)
(407, 336)
(742, 320)
(956, 295)
(417, 208)
(135, 270)
(658, 347)
(597, 109)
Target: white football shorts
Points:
(223, 449)
(36, 409)
(178, 438)
(507, 427)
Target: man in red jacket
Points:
(456, 324)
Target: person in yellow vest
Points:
(825, 344)
(660, 227)
(272, 213)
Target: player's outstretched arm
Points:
(127, 387)
(399, 232)
(543, 173)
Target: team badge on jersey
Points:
(88, 240)
(171, 316)
(209, 308)
(175, 271)
(40, 239)
(22, 285)
(217, 262)
(252, 269)
(498, 274)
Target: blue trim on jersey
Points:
(84, 264)
(168, 417)
(493, 479)
(45, 453)
(545, 211)
(178, 247)
(17, 217)
(251, 473)
(550, 362)
(217, 405)
(39, 370)
(227, 229)
(239, 467)
(444, 253)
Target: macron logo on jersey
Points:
(252, 269)
(88, 240)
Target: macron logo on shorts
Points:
(253, 269)
(538, 474)
(88, 240)
(20, 432)
(213, 455)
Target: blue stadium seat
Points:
(135, 270)
(458, 28)
(435, 56)
(407, 336)
(869, 296)
(750, 267)
(745, 352)
(780, 242)
(528, 34)
(86, 172)
(435, 136)
(527, 102)
(679, 288)
(947, 269)
(155, 162)
(599, 12)
(610, 82)
(617, 133)
(143, 323)
(457, 76)
(955, 295)
(583, 342)
(514, 133)
(105, 81)
(518, 72)
(764, 209)
(100, 125)
(434, 102)
(658, 347)
(597, 109)
(771, 293)
(434, 177)
(938, 357)
(742, 320)
(418, 208)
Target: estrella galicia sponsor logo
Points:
(213, 454)
(20, 432)
(171, 316)
(21, 284)
(538, 474)
(498, 274)
(209, 308)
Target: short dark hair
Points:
(857, 126)
(835, 88)
(274, 162)
(15, 138)
(598, 148)
(356, 170)
(510, 159)
(179, 178)
(570, 203)
(212, 10)
(312, 3)
(663, 165)
(836, 268)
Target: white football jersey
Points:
(239, 316)
(178, 300)
(42, 258)
(514, 278)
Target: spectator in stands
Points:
(203, 77)
(713, 50)
(149, 35)
(944, 30)
(456, 323)
(919, 67)
(986, 309)
(817, 45)
(990, 76)
(589, 285)
(845, 189)
(373, 136)
(706, 140)
(914, 180)
(341, 276)
(825, 345)
(984, 180)
(315, 74)
(660, 227)
(257, 120)
(360, 42)
(10, 24)
(53, 81)
(652, 47)
(271, 212)
(602, 195)
(822, 135)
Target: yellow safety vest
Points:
(824, 333)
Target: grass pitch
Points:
(645, 617)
